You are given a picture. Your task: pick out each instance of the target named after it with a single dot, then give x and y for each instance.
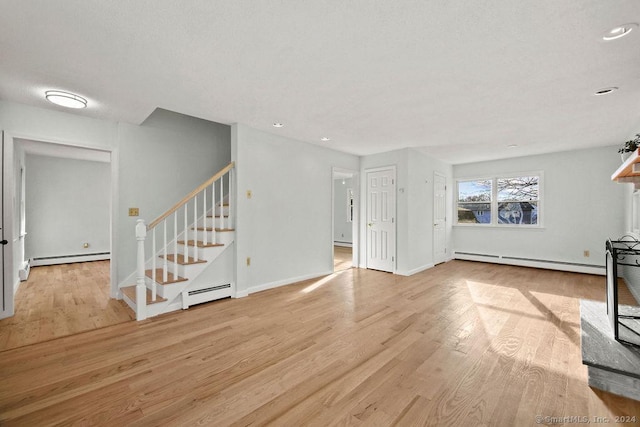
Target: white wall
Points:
(582, 208)
(342, 229)
(285, 227)
(414, 206)
(67, 205)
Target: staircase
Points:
(179, 246)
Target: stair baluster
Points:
(195, 221)
(153, 265)
(186, 232)
(175, 244)
(165, 270)
(213, 213)
(204, 208)
(229, 195)
(221, 203)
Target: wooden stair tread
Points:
(222, 230)
(170, 277)
(200, 244)
(130, 292)
(181, 261)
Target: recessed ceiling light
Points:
(65, 99)
(618, 32)
(512, 145)
(278, 125)
(605, 91)
(325, 139)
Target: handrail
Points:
(191, 195)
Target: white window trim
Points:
(494, 200)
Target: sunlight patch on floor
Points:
(312, 287)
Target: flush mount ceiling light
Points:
(325, 139)
(617, 32)
(512, 145)
(65, 99)
(605, 91)
(278, 125)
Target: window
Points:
(505, 200)
(474, 202)
(349, 204)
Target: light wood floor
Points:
(460, 344)
(342, 258)
(61, 300)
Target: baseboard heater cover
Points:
(199, 296)
(67, 259)
(23, 273)
(549, 263)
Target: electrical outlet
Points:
(586, 254)
(248, 261)
(134, 212)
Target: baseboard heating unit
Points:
(68, 259)
(199, 296)
(532, 262)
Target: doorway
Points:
(344, 191)
(60, 215)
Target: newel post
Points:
(141, 288)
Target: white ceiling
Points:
(461, 80)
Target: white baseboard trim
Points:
(415, 270)
(35, 262)
(546, 264)
(285, 282)
(343, 244)
(241, 294)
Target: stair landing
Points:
(130, 292)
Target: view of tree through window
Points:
(518, 200)
(512, 200)
(474, 202)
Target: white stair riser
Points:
(210, 221)
(225, 210)
(219, 236)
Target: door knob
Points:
(370, 224)
(3, 242)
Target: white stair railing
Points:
(207, 206)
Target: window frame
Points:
(494, 200)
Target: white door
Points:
(381, 227)
(439, 219)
